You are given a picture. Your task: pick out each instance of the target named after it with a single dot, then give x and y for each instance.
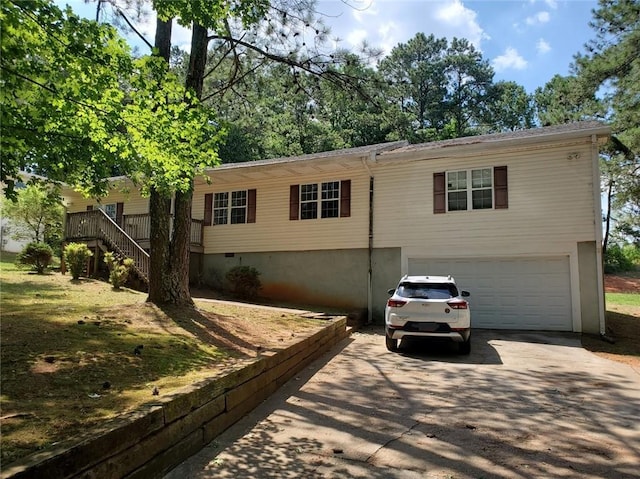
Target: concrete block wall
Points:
(150, 442)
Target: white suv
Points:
(429, 307)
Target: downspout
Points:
(372, 158)
(595, 158)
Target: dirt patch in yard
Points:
(622, 322)
(622, 283)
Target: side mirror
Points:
(391, 291)
(466, 294)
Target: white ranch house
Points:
(514, 217)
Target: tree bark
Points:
(159, 283)
(179, 249)
(159, 206)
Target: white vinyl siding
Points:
(274, 231)
(551, 205)
(133, 201)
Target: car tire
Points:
(465, 347)
(392, 344)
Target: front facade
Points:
(514, 217)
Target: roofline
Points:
(530, 136)
(343, 154)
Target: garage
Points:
(532, 293)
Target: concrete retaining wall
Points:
(150, 442)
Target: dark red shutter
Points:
(294, 202)
(119, 213)
(208, 209)
(500, 187)
(345, 198)
(439, 193)
(90, 208)
(251, 206)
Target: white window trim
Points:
(319, 200)
(229, 208)
(469, 189)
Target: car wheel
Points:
(392, 344)
(465, 347)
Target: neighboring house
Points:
(514, 217)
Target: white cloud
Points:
(543, 46)
(355, 37)
(362, 9)
(510, 59)
(388, 37)
(552, 4)
(540, 17)
(461, 21)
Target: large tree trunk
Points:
(159, 206)
(179, 250)
(159, 283)
(181, 238)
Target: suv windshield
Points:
(427, 290)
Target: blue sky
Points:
(526, 41)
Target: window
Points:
(331, 199)
(110, 210)
(483, 188)
(235, 207)
(220, 208)
(308, 202)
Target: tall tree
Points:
(416, 74)
(60, 95)
(508, 108)
(564, 99)
(469, 80)
(611, 68)
(37, 213)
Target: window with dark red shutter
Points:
(208, 209)
(294, 202)
(439, 193)
(119, 213)
(345, 198)
(251, 206)
(500, 187)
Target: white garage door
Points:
(508, 293)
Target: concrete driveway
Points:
(522, 405)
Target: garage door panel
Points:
(510, 293)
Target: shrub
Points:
(244, 281)
(76, 255)
(118, 271)
(618, 259)
(38, 255)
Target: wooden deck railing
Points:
(139, 228)
(96, 224)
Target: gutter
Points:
(372, 158)
(595, 168)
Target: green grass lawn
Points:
(75, 353)
(623, 299)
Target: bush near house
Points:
(245, 281)
(620, 259)
(118, 270)
(38, 255)
(76, 255)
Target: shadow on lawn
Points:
(625, 331)
(62, 377)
